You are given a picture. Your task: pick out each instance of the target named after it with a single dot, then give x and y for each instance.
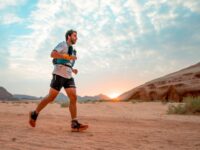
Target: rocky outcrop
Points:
(174, 86)
(5, 95)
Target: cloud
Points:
(164, 14)
(27, 51)
(10, 18)
(87, 6)
(161, 21)
(103, 27)
(9, 3)
(192, 5)
(136, 9)
(160, 14)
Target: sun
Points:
(113, 95)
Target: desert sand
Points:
(112, 126)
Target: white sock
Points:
(75, 119)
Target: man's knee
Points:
(50, 97)
(73, 98)
(71, 93)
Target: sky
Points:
(121, 43)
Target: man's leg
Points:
(46, 100)
(71, 93)
(75, 126)
(49, 98)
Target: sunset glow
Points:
(114, 95)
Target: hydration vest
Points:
(65, 62)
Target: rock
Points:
(5, 95)
(172, 87)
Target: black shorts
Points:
(58, 82)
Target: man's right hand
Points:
(68, 57)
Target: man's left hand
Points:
(75, 71)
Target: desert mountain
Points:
(96, 97)
(62, 97)
(26, 97)
(5, 95)
(174, 86)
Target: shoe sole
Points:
(80, 129)
(31, 121)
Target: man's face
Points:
(73, 38)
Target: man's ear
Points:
(68, 36)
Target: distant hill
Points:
(62, 97)
(102, 97)
(26, 97)
(94, 98)
(5, 95)
(174, 86)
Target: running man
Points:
(63, 59)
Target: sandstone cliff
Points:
(174, 86)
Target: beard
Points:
(73, 41)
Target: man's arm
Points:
(56, 54)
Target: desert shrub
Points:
(64, 104)
(176, 109)
(190, 105)
(193, 105)
(135, 101)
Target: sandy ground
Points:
(113, 126)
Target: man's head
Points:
(71, 37)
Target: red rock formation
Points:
(172, 87)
